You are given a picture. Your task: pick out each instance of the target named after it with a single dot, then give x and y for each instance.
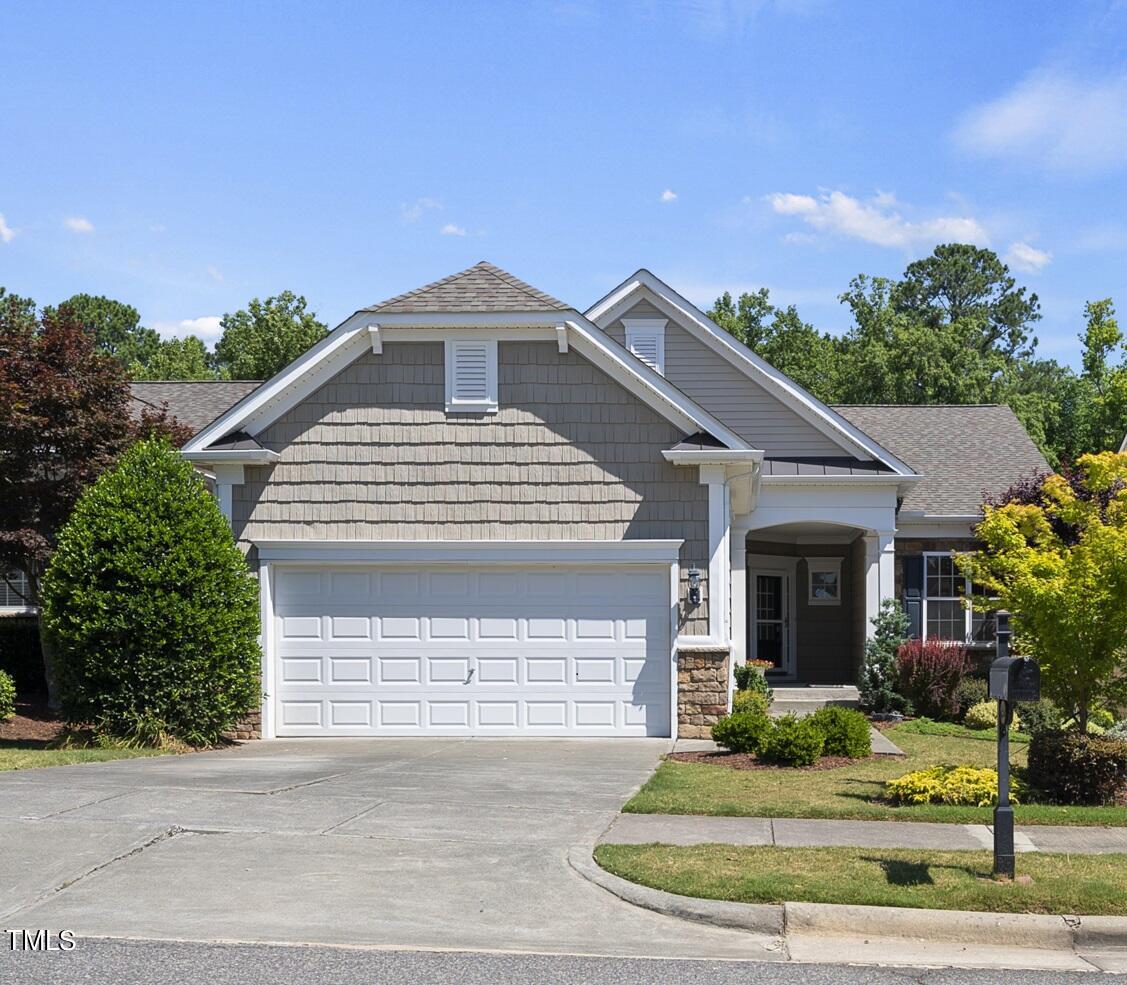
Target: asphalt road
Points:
(117, 962)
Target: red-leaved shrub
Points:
(929, 673)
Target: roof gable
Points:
(482, 287)
(852, 440)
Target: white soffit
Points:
(644, 285)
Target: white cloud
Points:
(207, 327)
(414, 211)
(7, 233)
(451, 230)
(79, 224)
(876, 220)
(214, 273)
(1026, 258)
(669, 195)
(1053, 120)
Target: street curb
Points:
(753, 917)
(1025, 930)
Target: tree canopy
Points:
(955, 328)
(265, 336)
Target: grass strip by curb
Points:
(946, 880)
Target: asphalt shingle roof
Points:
(195, 403)
(482, 287)
(962, 451)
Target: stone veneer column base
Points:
(702, 689)
(249, 726)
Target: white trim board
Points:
(471, 552)
(644, 285)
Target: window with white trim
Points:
(14, 592)
(944, 616)
(824, 580)
(645, 338)
(471, 376)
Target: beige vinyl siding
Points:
(570, 455)
(727, 393)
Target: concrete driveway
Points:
(428, 843)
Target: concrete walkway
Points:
(679, 829)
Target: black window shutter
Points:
(913, 593)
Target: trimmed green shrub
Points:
(1070, 768)
(749, 677)
(929, 673)
(984, 715)
(1040, 716)
(151, 607)
(7, 696)
(749, 701)
(877, 680)
(970, 692)
(792, 742)
(961, 785)
(742, 731)
(845, 732)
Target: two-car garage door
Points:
(454, 650)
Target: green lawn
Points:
(1086, 884)
(854, 791)
(26, 755)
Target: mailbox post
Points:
(1012, 679)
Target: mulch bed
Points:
(32, 723)
(747, 761)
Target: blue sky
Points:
(187, 157)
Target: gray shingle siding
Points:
(727, 392)
(373, 455)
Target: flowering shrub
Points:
(929, 673)
(958, 785)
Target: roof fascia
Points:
(233, 456)
(713, 456)
(685, 313)
(291, 385)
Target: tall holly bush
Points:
(151, 607)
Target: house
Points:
(474, 509)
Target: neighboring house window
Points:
(471, 376)
(13, 592)
(645, 337)
(825, 580)
(944, 616)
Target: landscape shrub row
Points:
(792, 741)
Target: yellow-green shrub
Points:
(959, 785)
(7, 696)
(984, 715)
(750, 701)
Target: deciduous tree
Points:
(267, 335)
(1055, 555)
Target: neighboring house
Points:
(476, 510)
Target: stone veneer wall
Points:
(249, 726)
(702, 690)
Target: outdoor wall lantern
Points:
(694, 585)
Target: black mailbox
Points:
(1015, 679)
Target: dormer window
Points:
(645, 338)
(471, 376)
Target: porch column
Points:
(739, 599)
(719, 564)
(880, 581)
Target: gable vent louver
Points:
(471, 375)
(645, 338)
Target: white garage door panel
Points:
(542, 651)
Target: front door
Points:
(771, 620)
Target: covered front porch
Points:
(810, 566)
